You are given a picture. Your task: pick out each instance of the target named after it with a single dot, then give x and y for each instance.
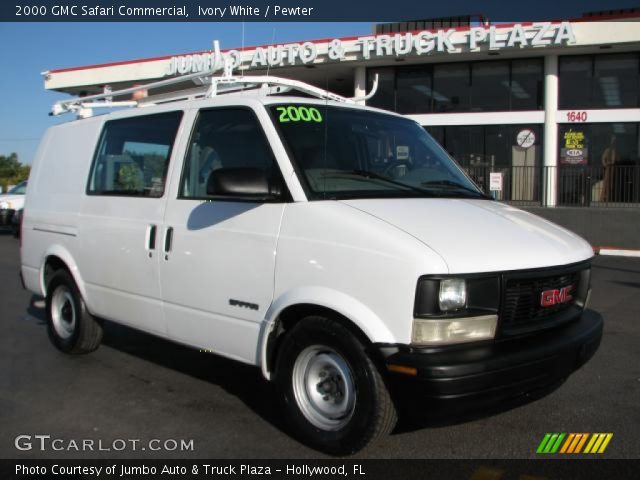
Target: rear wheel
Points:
(335, 399)
(71, 327)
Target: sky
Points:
(27, 49)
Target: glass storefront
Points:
(599, 163)
(487, 86)
(513, 150)
(599, 81)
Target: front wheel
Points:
(335, 399)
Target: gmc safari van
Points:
(336, 247)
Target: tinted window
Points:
(490, 86)
(224, 138)
(599, 81)
(415, 91)
(451, 87)
(385, 94)
(526, 84)
(487, 86)
(133, 156)
(616, 81)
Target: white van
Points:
(336, 247)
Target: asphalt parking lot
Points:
(140, 387)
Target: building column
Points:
(550, 149)
(360, 83)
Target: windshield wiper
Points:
(377, 176)
(449, 183)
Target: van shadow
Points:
(243, 381)
(246, 383)
(210, 213)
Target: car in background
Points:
(16, 223)
(10, 203)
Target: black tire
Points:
(321, 349)
(72, 329)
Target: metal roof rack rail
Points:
(209, 86)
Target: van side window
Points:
(133, 156)
(224, 138)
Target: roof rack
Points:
(208, 86)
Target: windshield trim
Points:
(411, 192)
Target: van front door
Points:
(219, 253)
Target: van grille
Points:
(521, 300)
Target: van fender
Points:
(354, 310)
(63, 254)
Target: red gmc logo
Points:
(549, 298)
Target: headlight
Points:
(455, 309)
(453, 294)
(4, 205)
(454, 330)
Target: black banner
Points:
(294, 10)
(578, 469)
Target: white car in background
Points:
(12, 202)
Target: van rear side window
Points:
(133, 154)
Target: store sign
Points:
(447, 41)
(574, 151)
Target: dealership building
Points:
(544, 115)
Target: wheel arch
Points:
(291, 308)
(59, 258)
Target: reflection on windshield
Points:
(19, 189)
(351, 153)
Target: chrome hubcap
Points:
(63, 312)
(323, 387)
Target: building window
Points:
(133, 156)
(452, 88)
(491, 87)
(526, 84)
(385, 96)
(482, 149)
(599, 162)
(487, 86)
(599, 81)
(493, 146)
(416, 89)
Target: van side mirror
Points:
(243, 182)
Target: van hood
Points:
(479, 235)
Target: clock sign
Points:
(526, 138)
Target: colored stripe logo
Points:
(573, 443)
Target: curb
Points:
(619, 252)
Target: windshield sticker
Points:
(294, 113)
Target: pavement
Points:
(136, 388)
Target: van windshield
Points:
(349, 153)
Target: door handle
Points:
(150, 240)
(168, 241)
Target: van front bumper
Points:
(494, 371)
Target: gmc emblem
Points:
(549, 298)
